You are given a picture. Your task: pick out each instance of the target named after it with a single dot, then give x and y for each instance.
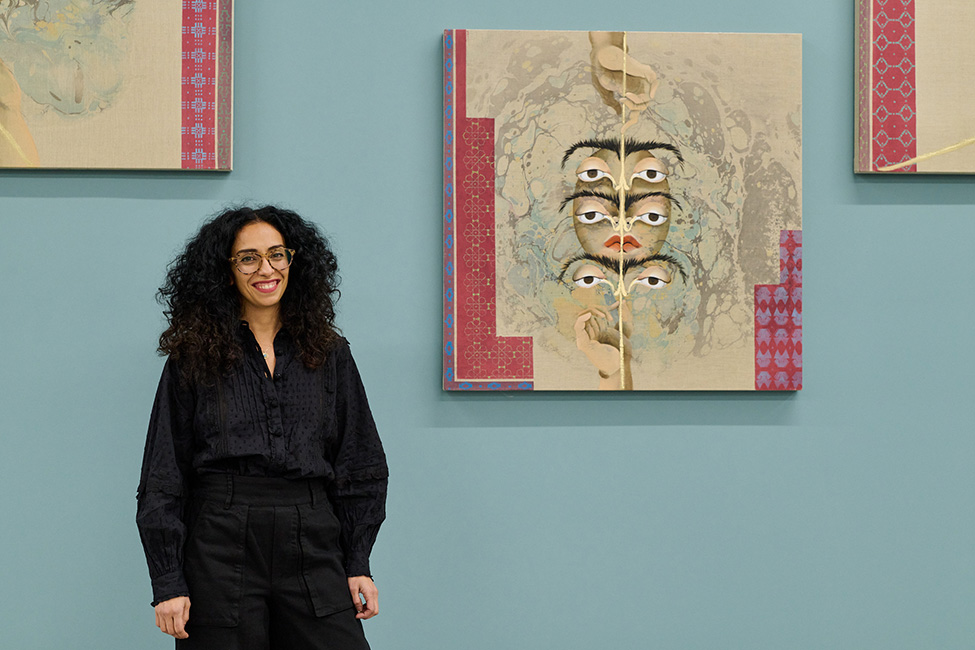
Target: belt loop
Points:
(230, 492)
(311, 488)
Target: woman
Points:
(264, 481)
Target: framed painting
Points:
(915, 86)
(622, 211)
(116, 84)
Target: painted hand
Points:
(599, 339)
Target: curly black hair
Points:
(203, 306)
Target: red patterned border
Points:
(894, 101)
(477, 359)
(199, 84)
(778, 321)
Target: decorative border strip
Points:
(225, 87)
(199, 37)
(778, 321)
(473, 352)
(863, 86)
(893, 86)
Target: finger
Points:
(372, 605)
(580, 327)
(354, 590)
(599, 312)
(179, 630)
(592, 329)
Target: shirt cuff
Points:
(168, 585)
(357, 565)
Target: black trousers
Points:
(264, 568)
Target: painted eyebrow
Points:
(605, 261)
(636, 198)
(613, 144)
(595, 194)
(613, 263)
(614, 199)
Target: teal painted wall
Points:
(840, 517)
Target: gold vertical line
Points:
(621, 218)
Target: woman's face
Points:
(263, 289)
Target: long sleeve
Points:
(163, 485)
(358, 492)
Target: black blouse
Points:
(299, 424)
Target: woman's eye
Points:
(276, 256)
(650, 175)
(653, 282)
(592, 175)
(651, 218)
(247, 259)
(591, 216)
(588, 281)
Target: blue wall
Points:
(839, 517)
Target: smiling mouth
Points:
(629, 243)
(266, 287)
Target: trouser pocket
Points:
(321, 565)
(213, 563)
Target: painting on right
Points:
(915, 86)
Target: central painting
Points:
(622, 211)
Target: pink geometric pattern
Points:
(894, 101)
(199, 84)
(778, 321)
(480, 360)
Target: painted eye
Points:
(654, 277)
(650, 175)
(593, 169)
(591, 216)
(592, 175)
(653, 282)
(588, 281)
(651, 218)
(588, 276)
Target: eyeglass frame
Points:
(264, 256)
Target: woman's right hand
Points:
(172, 615)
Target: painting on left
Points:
(116, 84)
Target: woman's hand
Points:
(172, 614)
(367, 588)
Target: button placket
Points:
(275, 421)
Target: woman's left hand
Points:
(364, 586)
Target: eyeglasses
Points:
(250, 261)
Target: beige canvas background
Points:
(141, 128)
(945, 77)
(729, 101)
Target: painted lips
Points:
(629, 243)
(266, 287)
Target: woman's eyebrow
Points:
(254, 250)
